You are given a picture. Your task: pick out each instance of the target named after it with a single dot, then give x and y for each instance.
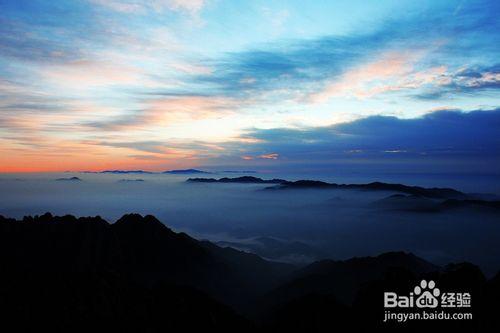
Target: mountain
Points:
(136, 275)
(412, 203)
(375, 186)
(323, 311)
(174, 172)
(140, 248)
(282, 184)
(71, 179)
(185, 172)
(119, 172)
(243, 180)
(130, 180)
(343, 279)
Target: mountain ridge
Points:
(75, 274)
(282, 184)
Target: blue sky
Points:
(160, 84)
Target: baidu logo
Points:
(428, 303)
(427, 295)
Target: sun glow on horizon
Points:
(132, 84)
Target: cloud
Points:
(192, 69)
(82, 74)
(143, 6)
(395, 71)
(118, 72)
(387, 73)
(162, 150)
(463, 137)
(407, 54)
(465, 80)
(191, 6)
(22, 40)
(170, 110)
(25, 111)
(272, 156)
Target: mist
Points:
(297, 226)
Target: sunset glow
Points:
(155, 85)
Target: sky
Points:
(268, 85)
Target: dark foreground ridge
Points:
(71, 274)
(316, 184)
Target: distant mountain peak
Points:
(126, 171)
(242, 179)
(71, 179)
(281, 184)
(185, 171)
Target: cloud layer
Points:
(163, 83)
(447, 140)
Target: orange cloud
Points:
(189, 108)
(393, 71)
(174, 111)
(83, 74)
(272, 156)
(389, 65)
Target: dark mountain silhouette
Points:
(322, 311)
(119, 172)
(443, 193)
(130, 180)
(243, 179)
(407, 203)
(71, 274)
(141, 248)
(63, 301)
(310, 313)
(375, 186)
(184, 171)
(343, 279)
(230, 275)
(71, 179)
(178, 171)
